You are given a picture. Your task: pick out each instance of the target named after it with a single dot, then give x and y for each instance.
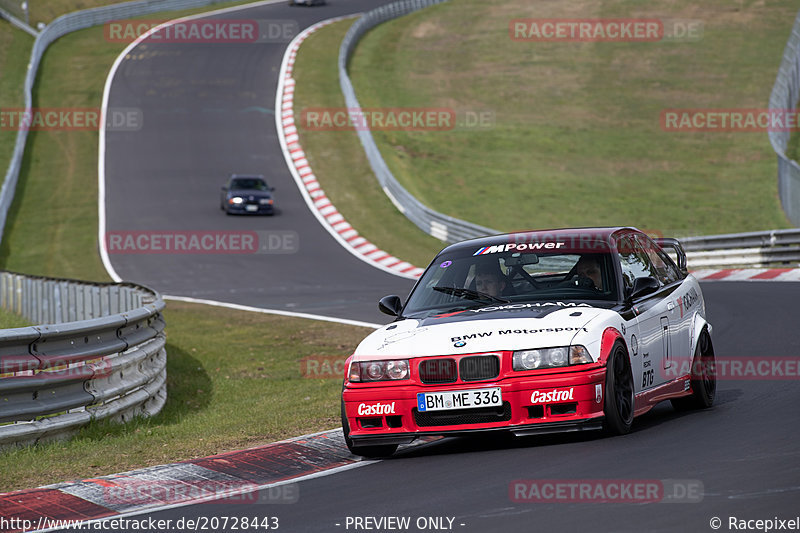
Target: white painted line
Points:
(280, 312)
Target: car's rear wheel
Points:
(375, 451)
(704, 380)
(618, 407)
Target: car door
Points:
(681, 295)
(655, 347)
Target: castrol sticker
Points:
(554, 395)
(376, 409)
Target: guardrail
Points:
(785, 96)
(100, 356)
(14, 20)
(439, 225)
(58, 28)
(753, 249)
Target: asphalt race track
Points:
(208, 112)
(743, 452)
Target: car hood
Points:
(492, 328)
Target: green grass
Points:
(577, 139)
(234, 381)
(9, 320)
(48, 10)
(15, 49)
(52, 224)
(338, 158)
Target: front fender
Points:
(610, 336)
(698, 324)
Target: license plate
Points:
(251, 208)
(459, 399)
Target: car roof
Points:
(547, 235)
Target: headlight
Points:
(265, 201)
(236, 200)
(550, 357)
(578, 355)
(378, 370)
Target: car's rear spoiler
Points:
(666, 242)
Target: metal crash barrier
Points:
(100, 356)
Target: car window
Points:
(248, 184)
(490, 274)
(663, 269)
(634, 260)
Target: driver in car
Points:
(489, 280)
(588, 267)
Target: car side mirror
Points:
(390, 305)
(644, 286)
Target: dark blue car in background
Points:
(247, 194)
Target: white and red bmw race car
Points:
(536, 332)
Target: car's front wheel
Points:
(618, 407)
(381, 450)
(704, 380)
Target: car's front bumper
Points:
(518, 415)
(250, 209)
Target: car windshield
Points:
(490, 275)
(256, 184)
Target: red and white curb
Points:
(748, 274)
(319, 204)
(235, 477)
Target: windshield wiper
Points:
(469, 294)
